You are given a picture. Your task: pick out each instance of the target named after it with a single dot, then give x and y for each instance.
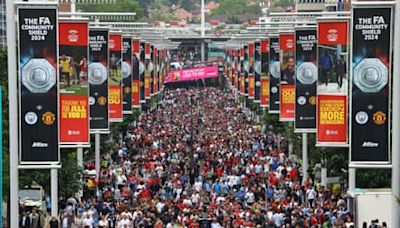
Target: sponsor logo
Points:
(73, 36)
(102, 101)
(332, 35)
(48, 118)
(379, 117)
(127, 90)
(111, 43)
(39, 145)
(289, 43)
(312, 100)
(370, 144)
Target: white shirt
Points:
(88, 222)
(311, 194)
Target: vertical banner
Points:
(306, 79)
(246, 69)
(38, 87)
(236, 69)
(74, 92)
(147, 72)
(142, 67)
(264, 96)
(370, 83)
(135, 74)
(1, 154)
(241, 72)
(257, 71)
(152, 70)
(286, 59)
(162, 69)
(274, 75)
(155, 71)
(126, 70)
(226, 62)
(332, 82)
(115, 76)
(98, 80)
(251, 78)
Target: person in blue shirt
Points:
(326, 63)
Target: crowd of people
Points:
(199, 161)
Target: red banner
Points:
(74, 121)
(287, 103)
(236, 80)
(332, 118)
(147, 84)
(135, 94)
(264, 46)
(250, 49)
(74, 93)
(114, 96)
(331, 33)
(115, 81)
(147, 51)
(264, 92)
(251, 85)
(286, 42)
(136, 47)
(242, 84)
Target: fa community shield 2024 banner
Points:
(98, 80)
(370, 83)
(38, 84)
(306, 79)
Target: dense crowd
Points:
(199, 161)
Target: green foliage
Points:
(119, 6)
(284, 3)
(68, 176)
(188, 5)
(233, 8)
(164, 17)
(373, 178)
(5, 142)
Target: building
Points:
(323, 5)
(182, 14)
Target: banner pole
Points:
(97, 156)
(13, 112)
(396, 120)
(54, 191)
(1, 154)
(352, 179)
(79, 155)
(305, 156)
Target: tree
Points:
(68, 176)
(4, 85)
(118, 6)
(188, 5)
